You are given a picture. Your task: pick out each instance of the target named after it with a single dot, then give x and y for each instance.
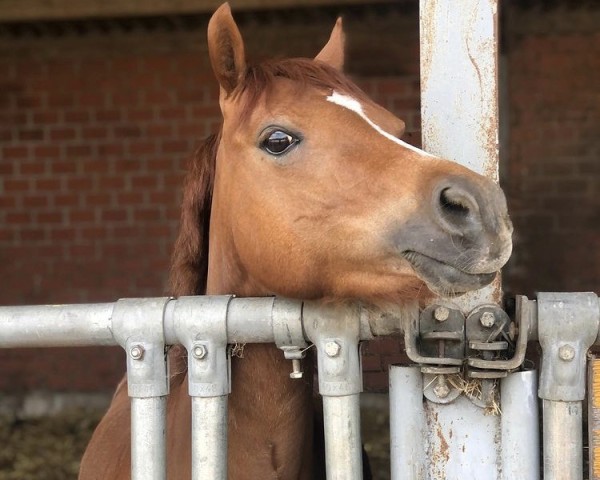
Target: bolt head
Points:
(487, 319)
(441, 390)
(137, 352)
(296, 375)
(441, 314)
(199, 351)
(566, 353)
(332, 348)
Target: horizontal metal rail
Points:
(206, 325)
(566, 325)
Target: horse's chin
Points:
(446, 279)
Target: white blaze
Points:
(354, 105)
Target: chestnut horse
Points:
(307, 192)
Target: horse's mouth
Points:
(444, 278)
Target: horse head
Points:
(314, 194)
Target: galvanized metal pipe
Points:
(343, 452)
(148, 432)
(459, 433)
(563, 440)
(209, 438)
(56, 325)
(520, 427)
(407, 423)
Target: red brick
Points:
(46, 151)
(62, 134)
(18, 151)
(15, 185)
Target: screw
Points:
(296, 369)
(487, 319)
(136, 352)
(441, 314)
(441, 388)
(332, 348)
(199, 351)
(566, 353)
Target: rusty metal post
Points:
(459, 106)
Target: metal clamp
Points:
(567, 327)
(137, 325)
(288, 333)
(200, 324)
(335, 330)
(436, 337)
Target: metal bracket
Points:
(335, 330)
(436, 337)
(567, 327)
(200, 325)
(288, 333)
(137, 325)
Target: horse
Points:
(308, 192)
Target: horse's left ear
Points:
(333, 51)
(226, 49)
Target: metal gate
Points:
(468, 357)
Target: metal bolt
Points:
(296, 369)
(332, 348)
(566, 353)
(487, 319)
(199, 351)
(136, 352)
(441, 314)
(441, 388)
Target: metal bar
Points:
(458, 433)
(209, 438)
(148, 427)
(459, 110)
(56, 325)
(459, 92)
(563, 440)
(407, 423)
(520, 427)
(594, 416)
(343, 452)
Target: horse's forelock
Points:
(305, 73)
(189, 261)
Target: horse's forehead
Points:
(379, 119)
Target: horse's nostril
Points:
(458, 210)
(455, 203)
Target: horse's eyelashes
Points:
(278, 142)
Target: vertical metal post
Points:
(335, 329)
(459, 91)
(148, 434)
(209, 437)
(459, 108)
(563, 440)
(138, 327)
(200, 324)
(407, 423)
(567, 326)
(520, 427)
(343, 451)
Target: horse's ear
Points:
(226, 49)
(333, 51)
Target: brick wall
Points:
(95, 131)
(96, 127)
(552, 174)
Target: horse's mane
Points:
(189, 262)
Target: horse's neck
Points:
(270, 414)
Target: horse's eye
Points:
(278, 142)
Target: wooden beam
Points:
(42, 10)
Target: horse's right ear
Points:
(226, 49)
